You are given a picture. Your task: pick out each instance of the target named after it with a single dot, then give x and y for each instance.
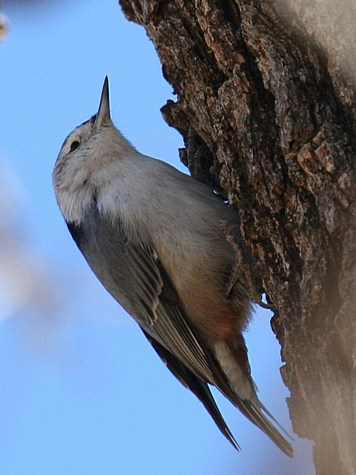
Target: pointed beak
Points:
(103, 114)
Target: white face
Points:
(74, 154)
(73, 169)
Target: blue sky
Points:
(82, 392)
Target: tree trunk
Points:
(266, 105)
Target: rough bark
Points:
(266, 105)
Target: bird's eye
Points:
(75, 144)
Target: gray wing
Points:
(135, 277)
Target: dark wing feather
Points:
(196, 385)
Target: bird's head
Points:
(82, 139)
(86, 159)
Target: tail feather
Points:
(234, 381)
(255, 415)
(242, 391)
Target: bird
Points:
(154, 237)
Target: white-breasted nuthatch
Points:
(154, 238)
